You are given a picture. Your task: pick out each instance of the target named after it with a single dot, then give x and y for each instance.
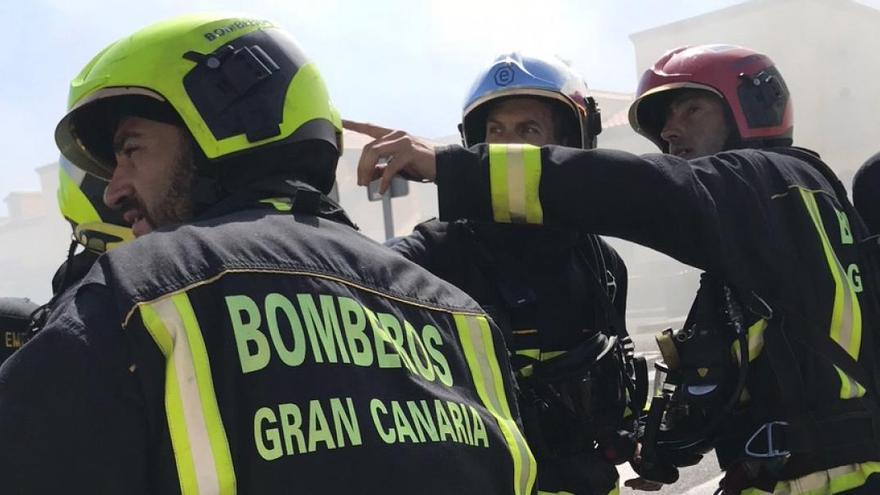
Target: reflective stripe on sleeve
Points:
(829, 482)
(201, 449)
(479, 352)
(514, 179)
(846, 317)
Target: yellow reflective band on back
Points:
(514, 179)
(828, 482)
(846, 317)
(756, 341)
(201, 449)
(479, 352)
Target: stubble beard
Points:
(176, 206)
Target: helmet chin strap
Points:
(206, 191)
(207, 186)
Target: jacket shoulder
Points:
(267, 242)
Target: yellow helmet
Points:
(80, 198)
(239, 85)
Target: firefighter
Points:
(249, 339)
(775, 366)
(559, 295)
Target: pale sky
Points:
(401, 63)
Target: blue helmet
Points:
(516, 74)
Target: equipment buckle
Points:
(771, 450)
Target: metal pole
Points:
(389, 216)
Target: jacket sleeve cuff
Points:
(462, 182)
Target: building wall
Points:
(33, 247)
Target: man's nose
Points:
(671, 131)
(120, 188)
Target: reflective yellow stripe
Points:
(854, 476)
(532, 182)
(102, 237)
(529, 353)
(614, 491)
(280, 204)
(829, 482)
(516, 184)
(479, 352)
(514, 179)
(849, 387)
(201, 449)
(846, 317)
(756, 341)
(546, 356)
(498, 182)
(539, 355)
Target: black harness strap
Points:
(637, 385)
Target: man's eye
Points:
(533, 130)
(129, 150)
(694, 109)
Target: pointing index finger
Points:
(372, 130)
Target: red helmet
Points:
(747, 81)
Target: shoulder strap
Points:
(637, 367)
(599, 285)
